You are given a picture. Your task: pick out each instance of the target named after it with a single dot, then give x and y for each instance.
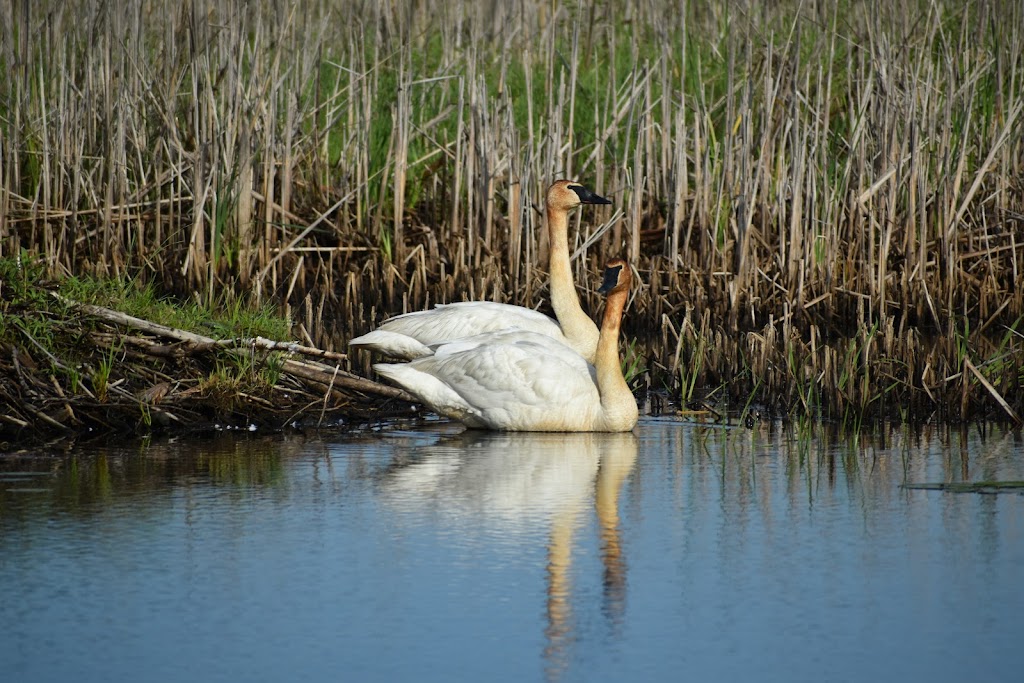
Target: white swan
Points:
(414, 334)
(515, 381)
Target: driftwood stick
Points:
(53, 359)
(344, 379)
(126, 320)
(14, 421)
(292, 347)
(317, 372)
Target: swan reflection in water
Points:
(518, 483)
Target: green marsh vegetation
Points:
(107, 354)
(824, 200)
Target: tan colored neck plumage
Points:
(574, 322)
(617, 400)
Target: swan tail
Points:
(391, 344)
(434, 393)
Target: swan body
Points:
(413, 335)
(503, 380)
(523, 381)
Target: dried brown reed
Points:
(825, 200)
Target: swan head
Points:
(568, 194)
(617, 277)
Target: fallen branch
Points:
(196, 343)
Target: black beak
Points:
(588, 197)
(611, 279)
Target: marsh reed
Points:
(824, 201)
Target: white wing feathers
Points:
(411, 335)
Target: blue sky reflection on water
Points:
(679, 551)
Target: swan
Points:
(413, 335)
(512, 380)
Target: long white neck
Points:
(577, 326)
(617, 402)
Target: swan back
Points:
(415, 335)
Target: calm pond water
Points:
(680, 551)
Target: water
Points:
(678, 552)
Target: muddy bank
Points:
(93, 370)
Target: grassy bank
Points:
(82, 355)
(824, 200)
